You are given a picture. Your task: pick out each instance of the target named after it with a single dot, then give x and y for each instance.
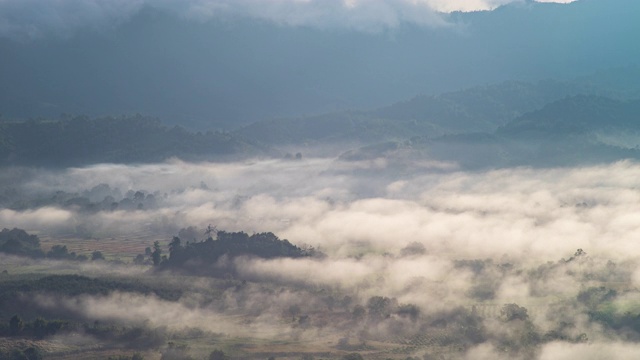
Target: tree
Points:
(353, 356)
(176, 352)
(217, 355)
(15, 325)
(156, 255)
(511, 312)
(293, 311)
(358, 312)
(210, 230)
(97, 255)
(379, 307)
(17, 354)
(410, 310)
(139, 259)
(19, 242)
(138, 196)
(39, 328)
(190, 233)
(59, 252)
(32, 353)
(175, 247)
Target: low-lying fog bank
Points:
(557, 242)
(346, 209)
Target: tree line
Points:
(80, 140)
(202, 256)
(19, 242)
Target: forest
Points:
(80, 140)
(112, 250)
(40, 308)
(319, 180)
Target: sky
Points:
(35, 18)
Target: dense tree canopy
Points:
(80, 140)
(196, 256)
(19, 242)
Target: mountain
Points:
(223, 72)
(576, 115)
(575, 130)
(477, 109)
(77, 141)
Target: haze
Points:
(385, 179)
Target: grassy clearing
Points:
(123, 248)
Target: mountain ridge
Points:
(227, 72)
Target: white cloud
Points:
(614, 351)
(518, 222)
(515, 212)
(34, 18)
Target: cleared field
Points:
(122, 248)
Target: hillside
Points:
(75, 141)
(476, 109)
(193, 72)
(575, 115)
(574, 130)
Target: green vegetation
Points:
(576, 130)
(202, 257)
(79, 140)
(28, 353)
(12, 292)
(18, 242)
(477, 109)
(38, 328)
(378, 327)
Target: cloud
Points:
(35, 18)
(45, 217)
(358, 14)
(520, 216)
(441, 239)
(521, 213)
(616, 351)
(133, 308)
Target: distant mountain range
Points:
(477, 109)
(78, 141)
(546, 123)
(227, 72)
(576, 130)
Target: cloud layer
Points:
(34, 18)
(436, 237)
(347, 209)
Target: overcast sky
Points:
(33, 18)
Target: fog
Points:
(348, 209)
(434, 236)
(222, 64)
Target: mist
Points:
(223, 64)
(440, 239)
(319, 179)
(520, 212)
